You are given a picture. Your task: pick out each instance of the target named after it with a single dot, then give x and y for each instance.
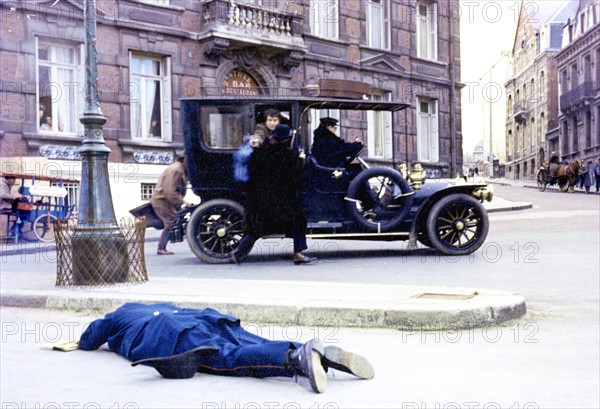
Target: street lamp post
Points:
(490, 70)
(99, 249)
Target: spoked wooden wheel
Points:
(457, 224)
(215, 229)
(43, 227)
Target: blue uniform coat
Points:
(139, 331)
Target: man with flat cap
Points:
(178, 342)
(329, 149)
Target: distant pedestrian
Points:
(586, 177)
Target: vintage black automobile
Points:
(377, 203)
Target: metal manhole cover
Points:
(457, 297)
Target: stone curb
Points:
(480, 311)
(521, 206)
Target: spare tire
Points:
(379, 199)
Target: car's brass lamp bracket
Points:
(418, 176)
(484, 193)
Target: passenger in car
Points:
(329, 149)
(274, 202)
(263, 131)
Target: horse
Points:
(565, 174)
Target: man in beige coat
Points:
(168, 198)
(7, 197)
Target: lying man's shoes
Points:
(181, 366)
(300, 258)
(306, 361)
(337, 358)
(164, 252)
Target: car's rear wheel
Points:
(379, 199)
(457, 225)
(215, 229)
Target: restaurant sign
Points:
(238, 82)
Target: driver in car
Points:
(329, 149)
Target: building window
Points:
(575, 136)
(597, 67)
(146, 190)
(59, 96)
(379, 132)
(564, 82)
(150, 100)
(427, 31)
(324, 18)
(588, 129)
(427, 130)
(542, 85)
(156, 2)
(378, 24)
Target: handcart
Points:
(32, 216)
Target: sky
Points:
(486, 29)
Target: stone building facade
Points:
(151, 53)
(578, 67)
(532, 90)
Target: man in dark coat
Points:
(329, 149)
(178, 342)
(274, 201)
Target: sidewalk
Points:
(529, 183)
(304, 303)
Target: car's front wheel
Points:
(457, 225)
(215, 229)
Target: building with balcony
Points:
(151, 53)
(578, 65)
(532, 90)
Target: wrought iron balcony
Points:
(235, 25)
(576, 99)
(520, 112)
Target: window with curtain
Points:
(379, 132)
(59, 94)
(378, 24)
(427, 130)
(150, 98)
(324, 18)
(427, 30)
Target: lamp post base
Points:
(99, 256)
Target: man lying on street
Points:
(178, 342)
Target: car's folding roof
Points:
(306, 102)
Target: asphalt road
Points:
(550, 358)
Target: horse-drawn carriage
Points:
(446, 215)
(558, 173)
(31, 217)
